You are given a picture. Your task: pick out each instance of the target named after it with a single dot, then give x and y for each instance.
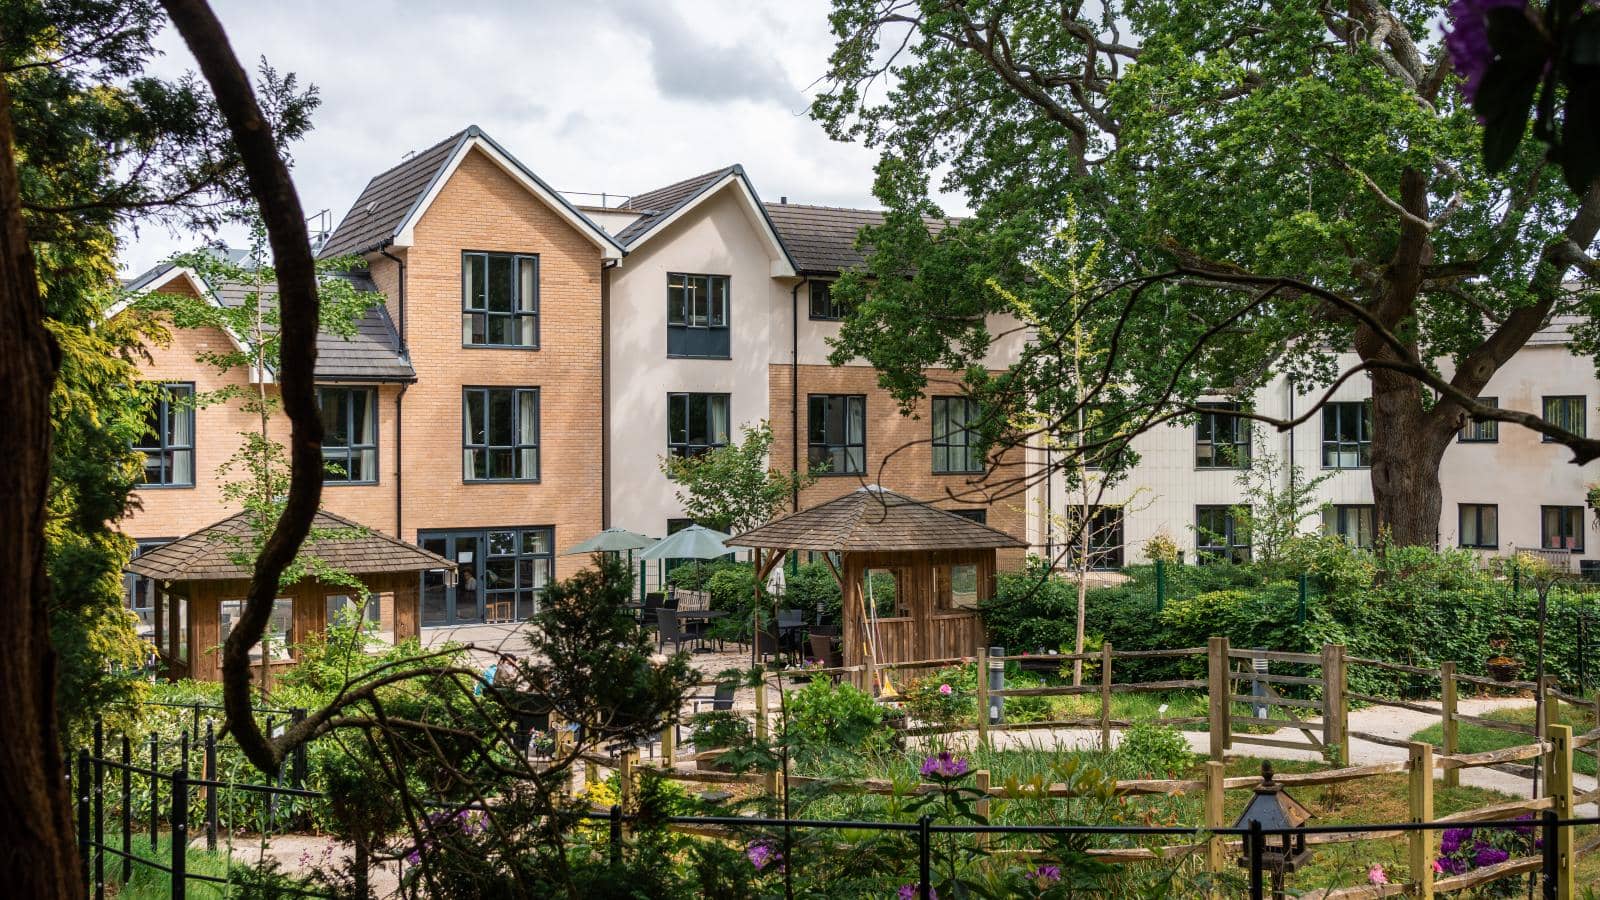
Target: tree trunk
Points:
(1407, 447)
(36, 843)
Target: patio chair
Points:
(667, 630)
(768, 642)
(822, 649)
(721, 700)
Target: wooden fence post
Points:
(1447, 704)
(1216, 848)
(981, 782)
(1335, 705)
(669, 744)
(1217, 690)
(761, 709)
(626, 775)
(1558, 781)
(1105, 696)
(983, 699)
(1420, 795)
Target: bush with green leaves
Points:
(1149, 750)
(823, 718)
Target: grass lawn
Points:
(150, 883)
(1477, 739)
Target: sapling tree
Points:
(734, 488)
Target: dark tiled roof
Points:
(372, 353)
(874, 519)
(662, 202)
(1558, 330)
(389, 198)
(822, 239)
(206, 554)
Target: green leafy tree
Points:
(733, 488)
(1273, 184)
(1278, 500)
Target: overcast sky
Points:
(603, 95)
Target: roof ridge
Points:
(724, 170)
(416, 154)
(861, 209)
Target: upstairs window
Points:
(1479, 526)
(349, 434)
(837, 433)
(1218, 537)
(955, 444)
(1355, 524)
(696, 423)
(1481, 432)
(500, 434)
(697, 316)
(1103, 532)
(168, 439)
(1567, 413)
(499, 300)
(823, 306)
(1347, 435)
(1221, 441)
(1561, 528)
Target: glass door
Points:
(462, 602)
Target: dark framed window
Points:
(349, 434)
(1347, 435)
(696, 423)
(1561, 528)
(1478, 525)
(499, 300)
(1104, 532)
(1566, 412)
(823, 306)
(697, 315)
(1103, 448)
(141, 590)
(1221, 441)
(1481, 432)
(517, 567)
(956, 446)
(1354, 523)
(981, 516)
(168, 439)
(1219, 537)
(837, 433)
(500, 434)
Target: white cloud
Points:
(618, 96)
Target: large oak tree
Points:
(1273, 184)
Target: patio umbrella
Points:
(612, 540)
(694, 542)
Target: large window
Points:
(1567, 413)
(349, 434)
(1218, 537)
(823, 305)
(1479, 525)
(1487, 432)
(279, 635)
(499, 300)
(955, 443)
(168, 439)
(1104, 533)
(696, 423)
(500, 434)
(1103, 447)
(837, 433)
(1561, 528)
(141, 591)
(1221, 441)
(516, 571)
(1355, 523)
(1347, 435)
(697, 315)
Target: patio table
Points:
(706, 615)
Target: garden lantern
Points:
(1275, 810)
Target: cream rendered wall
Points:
(718, 237)
(1518, 473)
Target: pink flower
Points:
(944, 689)
(1376, 874)
(1438, 867)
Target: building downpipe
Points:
(606, 266)
(794, 388)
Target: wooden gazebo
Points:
(943, 565)
(199, 585)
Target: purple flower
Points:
(1488, 856)
(909, 892)
(1044, 876)
(944, 766)
(761, 853)
(1468, 40)
(1451, 842)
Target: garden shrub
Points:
(1149, 750)
(824, 717)
(947, 698)
(718, 728)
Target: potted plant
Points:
(1501, 667)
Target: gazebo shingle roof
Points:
(205, 554)
(874, 519)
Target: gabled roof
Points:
(205, 554)
(388, 209)
(371, 354)
(822, 239)
(663, 206)
(872, 519)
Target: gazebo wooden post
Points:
(158, 613)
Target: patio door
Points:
(460, 603)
